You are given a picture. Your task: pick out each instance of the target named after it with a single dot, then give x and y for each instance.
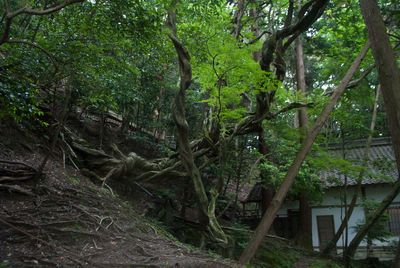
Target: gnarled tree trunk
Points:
(206, 206)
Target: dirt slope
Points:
(70, 222)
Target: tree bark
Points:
(58, 129)
(304, 232)
(331, 245)
(389, 77)
(267, 191)
(206, 206)
(287, 182)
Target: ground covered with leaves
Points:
(62, 219)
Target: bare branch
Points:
(305, 22)
(36, 46)
(30, 11)
(293, 105)
(289, 15)
(355, 82)
(258, 37)
(304, 9)
(25, 10)
(17, 163)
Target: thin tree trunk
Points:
(239, 168)
(60, 126)
(304, 232)
(389, 77)
(102, 126)
(266, 193)
(238, 19)
(346, 239)
(357, 190)
(287, 182)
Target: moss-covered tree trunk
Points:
(206, 206)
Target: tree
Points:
(389, 78)
(279, 197)
(304, 234)
(353, 201)
(207, 208)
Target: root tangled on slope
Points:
(86, 227)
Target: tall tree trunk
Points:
(267, 192)
(287, 182)
(206, 206)
(60, 126)
(237, 20)
(304, 232)
(389, 77)
(357, 190)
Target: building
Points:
(327, 215)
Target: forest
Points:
(199, 133)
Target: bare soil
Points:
(67, 221)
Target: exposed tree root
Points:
(75, 256)
(16, 171)
(17, 189)
(85, 227)
(13, 172)
(104, 166)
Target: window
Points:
(394, 223)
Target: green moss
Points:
(74, 180)
(324, 264)
(277, 258)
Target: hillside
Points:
(64, 219)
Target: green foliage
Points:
(324, 264)
(4, 264)
(307, 181)
(379, 231)
(225, 68)
(18, 99)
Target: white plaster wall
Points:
(338, 215)
(332, 204)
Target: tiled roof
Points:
(255, 194)
(381, 160)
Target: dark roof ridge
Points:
(359, 143)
